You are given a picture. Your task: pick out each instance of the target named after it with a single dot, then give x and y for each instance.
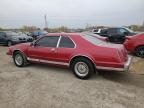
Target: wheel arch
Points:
(141, 45)
(82, 56)
(17, 50)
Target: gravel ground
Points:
(41, 86)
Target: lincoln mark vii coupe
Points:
(83, 53)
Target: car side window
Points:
(104, 31)
(121, 31)
(66, 42)
(48, 41)
(112, 31)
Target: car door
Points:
(65, 49)
(44, 49)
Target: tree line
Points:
(139, 28)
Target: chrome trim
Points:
(127, 64)
(32, 59)
(46, 61)
(69, 38)
(58, 42)
(110, 68)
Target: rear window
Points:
(92, 39)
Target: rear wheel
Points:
(140, 51)
(19, 59)
(82, 68)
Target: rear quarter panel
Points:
(100, 55)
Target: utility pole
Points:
(46, 23)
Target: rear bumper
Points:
(124, 69)
(127, 64)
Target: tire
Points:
(9, 43)
(82, 68)
(140, 51)
(19, 59)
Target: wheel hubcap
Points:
(141, 52)
(81, 69)
(18, 59)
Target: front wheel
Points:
(82, 68)
(140, 51)
(19, 59)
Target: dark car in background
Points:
(39, 33)
(116, 34)
(10, 38)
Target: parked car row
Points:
(10, 38)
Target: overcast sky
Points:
(71, 13)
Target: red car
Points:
(135, 44)
(83, 53)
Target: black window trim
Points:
(66, 47)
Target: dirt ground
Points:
(41, 86)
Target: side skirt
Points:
(49, 62)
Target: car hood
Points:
(21, 36)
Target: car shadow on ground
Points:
(126, 78)
(123, 78)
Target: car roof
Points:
(63, 34)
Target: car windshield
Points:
(129, 30)
(92, 39)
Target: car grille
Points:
(29, 39)
(22, 39)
